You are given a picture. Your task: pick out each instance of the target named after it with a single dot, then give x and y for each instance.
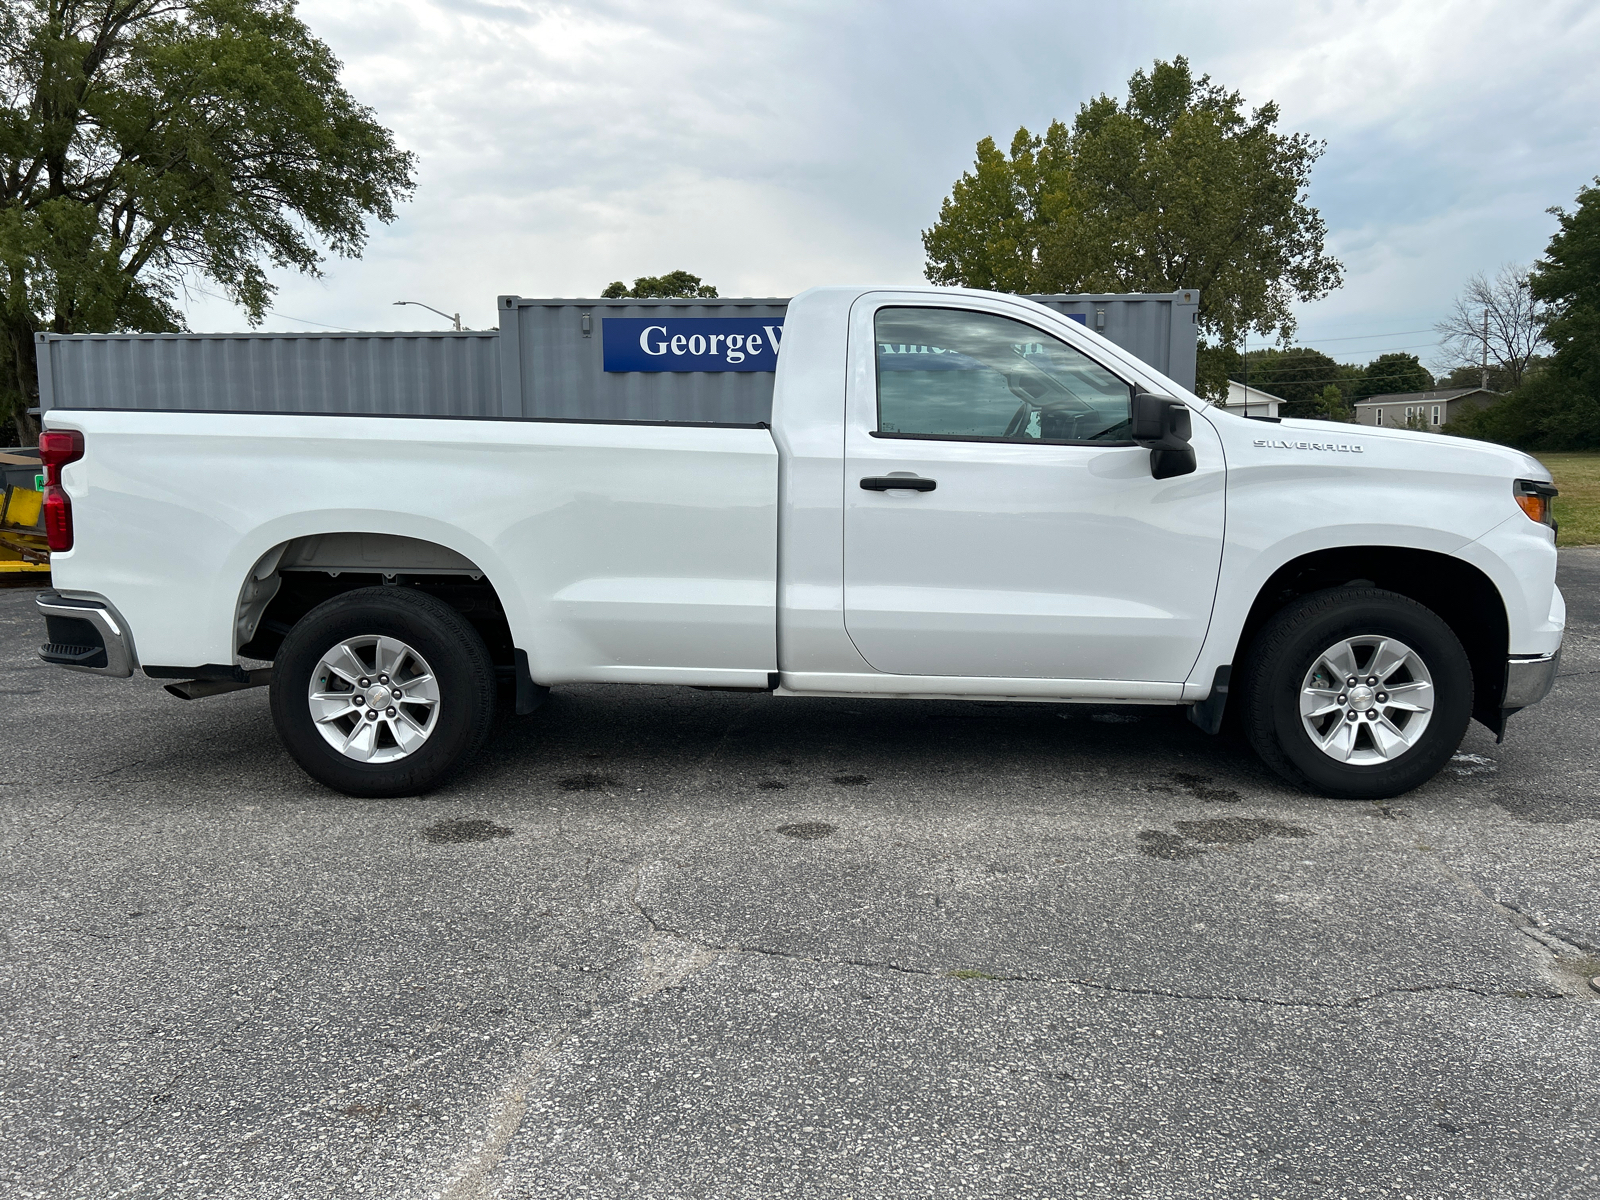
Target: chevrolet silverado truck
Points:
(938, 494)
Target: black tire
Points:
(1293, 642)
(454, 652)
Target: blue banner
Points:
(691, 343)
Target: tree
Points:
(992, 227)
(147, 142)
(1174, 188)
(674, 285)
(1567, 279)
(1332, 406)
(1296, 376)
(1558, 406)
(1497, 319)
(1390, 373)
(1471, 376)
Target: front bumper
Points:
(85, 635)
(1529, 679)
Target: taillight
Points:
(57, 448)
(1533, 496)
(57, 517)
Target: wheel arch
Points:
(1463, 596)
(297, 574)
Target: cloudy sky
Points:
(772, 146)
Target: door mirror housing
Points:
(1162, 424)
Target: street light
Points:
(456, 317)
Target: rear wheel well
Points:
(1463, 596)
(293, 578)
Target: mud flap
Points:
(1207, 713)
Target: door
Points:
(1039, 546)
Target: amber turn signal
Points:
(1533, 496)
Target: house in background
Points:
(1436, 409)
(1249, 401)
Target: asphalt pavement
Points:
(669, 943)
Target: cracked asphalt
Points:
(667, 943)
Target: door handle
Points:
(886, 483)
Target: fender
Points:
(1245, 572)
(271, 535)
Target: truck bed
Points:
(623, 552)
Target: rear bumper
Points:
(85, 635)
(1529, 679)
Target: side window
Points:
(950, 373)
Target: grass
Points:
(1577, 475)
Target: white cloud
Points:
(772, 147)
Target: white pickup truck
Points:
(959, 495)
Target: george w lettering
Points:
(690, 344)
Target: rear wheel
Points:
(1357, 692)
(382, 692)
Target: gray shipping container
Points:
(543, 364)
(1162, 330)
(388, 374)
(550, 366)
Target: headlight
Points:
(1533, 496)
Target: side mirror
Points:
(1162, 424)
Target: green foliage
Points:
(1395, 372)
(1296, 376)
(1567, 279)
(1214, 366)
(1558, 407)
(1176, 187)
(1548, 412)
(1312, 385)
(674, 285)
(146, 142)
(992, 228)
(1332, 406)
(1470, 376)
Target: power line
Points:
(1357, 337)
(1278, 356)
(274, 313)
(1334, 379)
(1261, 363)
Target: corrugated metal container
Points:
(550, 365)
(544, 363)
(1162, 330)
(396, 374)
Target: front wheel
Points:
(1356, 692)
(382, 692)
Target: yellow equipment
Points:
(23, 547)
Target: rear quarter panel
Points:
(627, 552)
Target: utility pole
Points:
(1483, 380)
